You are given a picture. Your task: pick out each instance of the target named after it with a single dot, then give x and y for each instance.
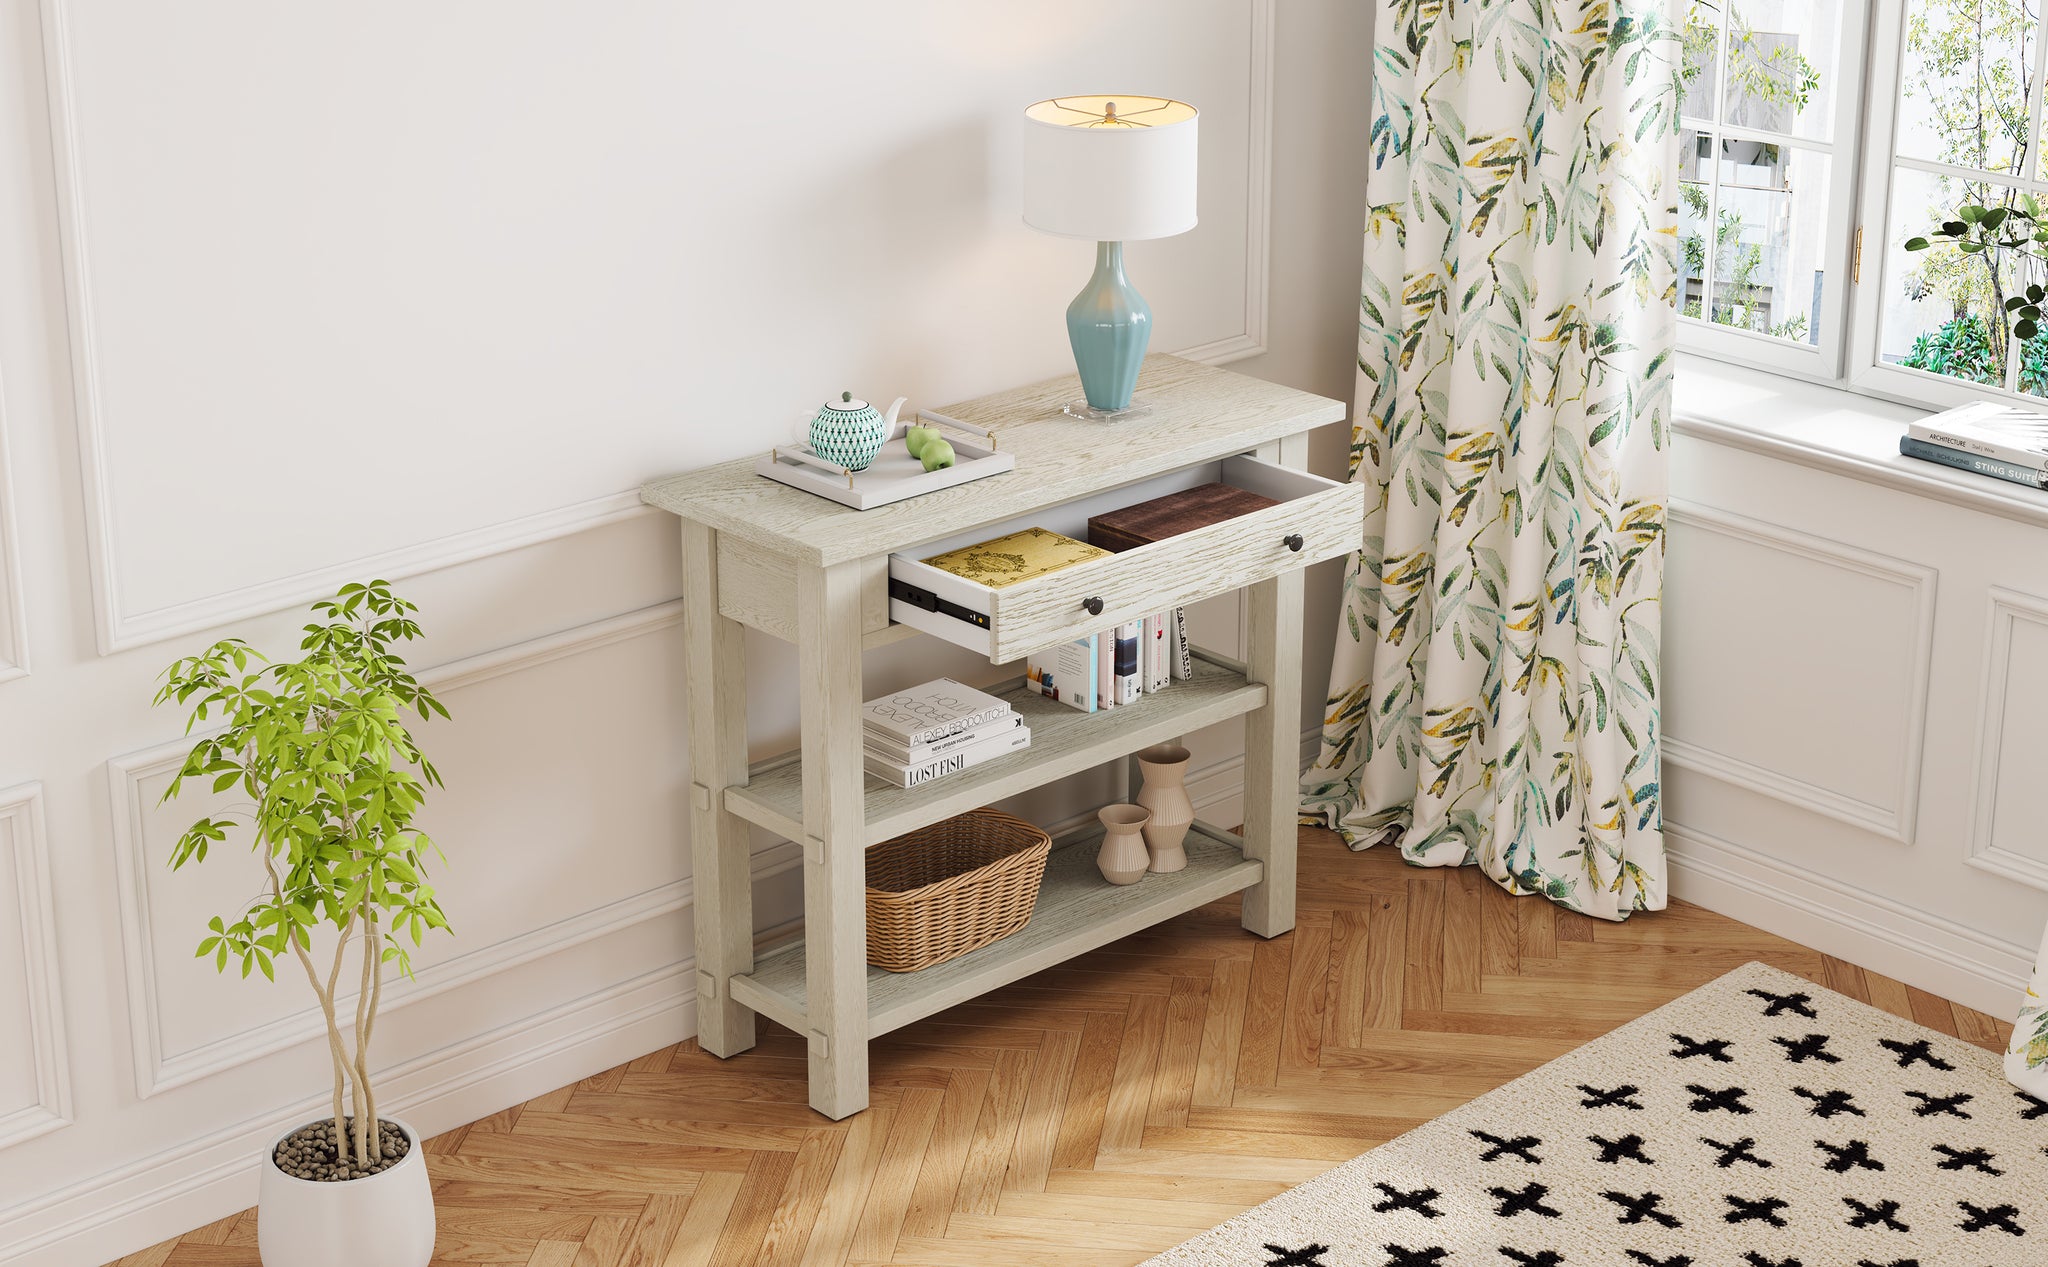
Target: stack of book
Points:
(940, 728)
(1115, 667)
(1985, 437)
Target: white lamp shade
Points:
(1110, 168)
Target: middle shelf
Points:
(1063, 742)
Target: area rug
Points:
(1759, 1121)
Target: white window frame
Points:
(1821, 361)
(1867, 371)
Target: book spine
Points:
(1158, 631)
(1183, 650)
(1130, 677)
(952, 763)
(932, 734)
(1971, 462)
(883, 746)
(1105, 668)
(1978, 446)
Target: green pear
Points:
(936, 454)
(915, 438)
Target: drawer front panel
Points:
(1185, 569)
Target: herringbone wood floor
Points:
(1095, 1113)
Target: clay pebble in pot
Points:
(1123, 857)
(1165, 796)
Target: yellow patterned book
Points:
(1021, 556)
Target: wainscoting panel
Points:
(430, 285)
(1833, 723)
(529, 891)
(1852, 673)
(35, 1096)
(2006, 836)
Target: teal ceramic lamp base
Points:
(1109, 324)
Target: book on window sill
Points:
(897, 774)
(934, 710)
(1988, 429)
(1993, 467)
(919, 753)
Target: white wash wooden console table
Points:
(759, 554)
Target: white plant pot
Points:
(2032, 1079)
(386, 1220)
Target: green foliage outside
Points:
(319, 747)
(1968, 76)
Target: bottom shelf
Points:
(1077, 911)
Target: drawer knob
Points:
(1292, 541)
(1092, 605)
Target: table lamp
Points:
(1111, 168)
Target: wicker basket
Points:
(940, 891)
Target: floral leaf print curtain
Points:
(1494, 694)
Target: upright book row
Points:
(1117, 666)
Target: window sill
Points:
(1833, 430)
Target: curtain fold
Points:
(1494, 693)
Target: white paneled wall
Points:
(1855, 680)
(291, 296)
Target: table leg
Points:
(715, 674)
(1272, 748)
(835, 847)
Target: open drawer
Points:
(1316, 519)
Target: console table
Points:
(765, 556)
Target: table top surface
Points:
(1199, 413)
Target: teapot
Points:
(851, 432)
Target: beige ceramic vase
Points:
(1123, 858)
(1165, 795)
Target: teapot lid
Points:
(846, 403)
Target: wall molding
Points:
(1936, 954)
(1258, 200)
(158, 1070)
(21, 813)
(191, 1184)
(13, 614)
(2006, 608)
(119, 629)
(1898, 821)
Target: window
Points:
(1799, 191)
(1963, 126)
(1765, 178)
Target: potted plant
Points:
(334, 780)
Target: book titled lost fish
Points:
(899, 775)
(938, 708)
(1020, 556)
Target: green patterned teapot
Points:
(851, 432)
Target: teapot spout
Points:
(894, 409)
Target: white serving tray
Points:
(894, 474)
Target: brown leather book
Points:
(1128, 527)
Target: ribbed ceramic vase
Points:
(2026, 1057)
(1165, 796)
(386, 1219)
(1123, 858)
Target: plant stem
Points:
(366, 1006)
(326, 996)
